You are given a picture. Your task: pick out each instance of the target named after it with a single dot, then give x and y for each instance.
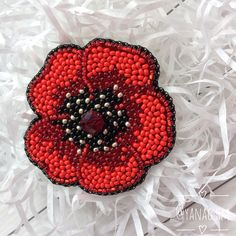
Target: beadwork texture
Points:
(103, 121)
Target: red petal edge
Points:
(156, 138)
(152, 125)
(62, 73)
(112, 172)
(45, 149)
(119, 63)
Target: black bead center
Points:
(94, 119)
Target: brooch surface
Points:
(103, 121)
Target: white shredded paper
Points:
(195, 45)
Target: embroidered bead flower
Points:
(102, 119)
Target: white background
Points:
(195, 43)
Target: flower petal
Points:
(45, 148)
(152, 119)
(61, 74)
(107, 58)
(107, 173)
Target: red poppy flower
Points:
(102, 119)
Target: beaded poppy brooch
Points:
(103, 121)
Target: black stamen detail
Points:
(103, 102)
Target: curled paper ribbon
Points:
(195, 45)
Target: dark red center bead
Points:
(92, 122)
